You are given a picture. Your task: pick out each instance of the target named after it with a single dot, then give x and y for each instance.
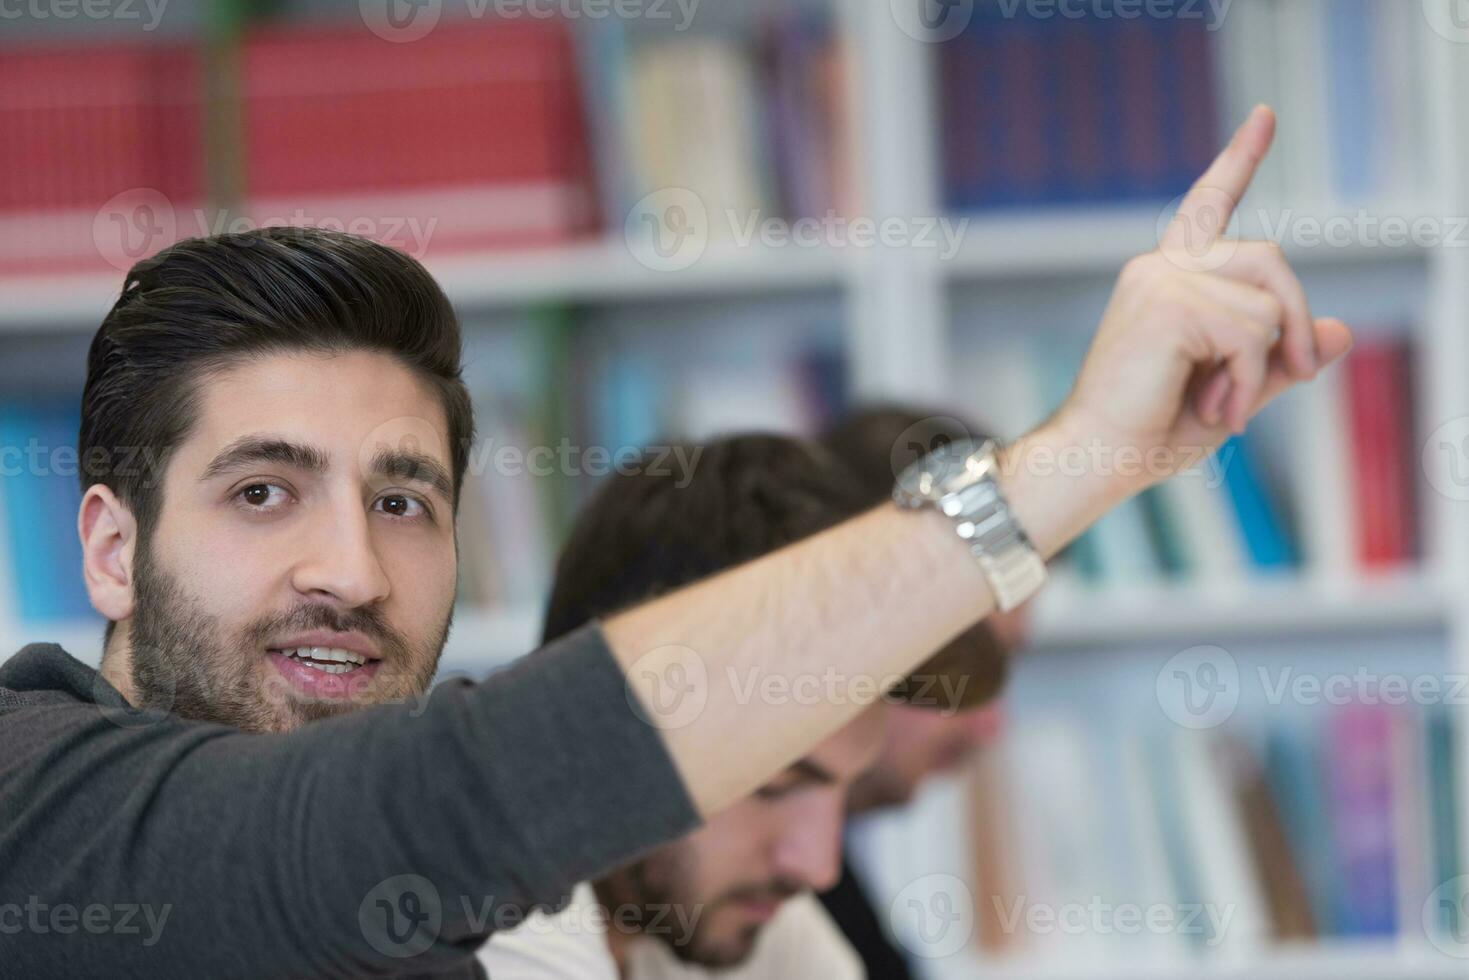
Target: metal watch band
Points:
(981, 516)
(1010, 562)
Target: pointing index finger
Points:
(1210, 203)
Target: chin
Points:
(720, 954)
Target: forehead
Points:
(353, 402)
(854, 747)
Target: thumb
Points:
(1333, 340)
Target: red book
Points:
(101, 148)
(1380, 415)
(470, 136)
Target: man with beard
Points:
(736, 894)
(295, 400)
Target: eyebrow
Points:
(395, 463)
(416, 467)
(810, 772)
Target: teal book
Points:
(41, 499)
(1297, 782)
(1259, 521)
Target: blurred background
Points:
(1243, 693)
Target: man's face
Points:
(730, 877)
(921, 743)
(303, 563)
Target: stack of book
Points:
(1219, 842)
(471, 136)
(1041, 108)
(101, 146)
(1327, 484)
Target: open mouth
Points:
(328, 660)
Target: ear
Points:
(109, 533)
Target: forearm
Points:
(841, 614)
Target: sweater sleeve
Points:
(392, 840)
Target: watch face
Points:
(942, 471)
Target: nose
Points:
(339, 559)
(809, 848)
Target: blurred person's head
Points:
(876, 444)
(274, 431)
(651, 529)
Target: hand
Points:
(1199, 335)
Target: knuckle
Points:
(1138, 268)
(1272, 309)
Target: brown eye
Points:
(401, 505)
(262, 496)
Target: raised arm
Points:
(1197, 337)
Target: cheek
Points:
(720, 855)
(231, 575)
(422, 570)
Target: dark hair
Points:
(878, 441)
(653, 527)
(205, 302)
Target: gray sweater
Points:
(387, 842)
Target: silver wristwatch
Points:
(959, 480)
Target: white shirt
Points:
(801, 941)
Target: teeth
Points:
(328, 659)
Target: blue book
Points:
(628, 409)
(41, 499)
(1259, 522)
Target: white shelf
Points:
(1074, 616)
(994, 248)
(607, 271)
(60, 302)
(595, 272)
(1343, 961)
(1099, 241)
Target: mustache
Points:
(315, 616)
(775, 891)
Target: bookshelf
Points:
(1016, 255)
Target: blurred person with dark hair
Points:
(737, 893)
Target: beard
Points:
(660, 892)
(185, 662)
